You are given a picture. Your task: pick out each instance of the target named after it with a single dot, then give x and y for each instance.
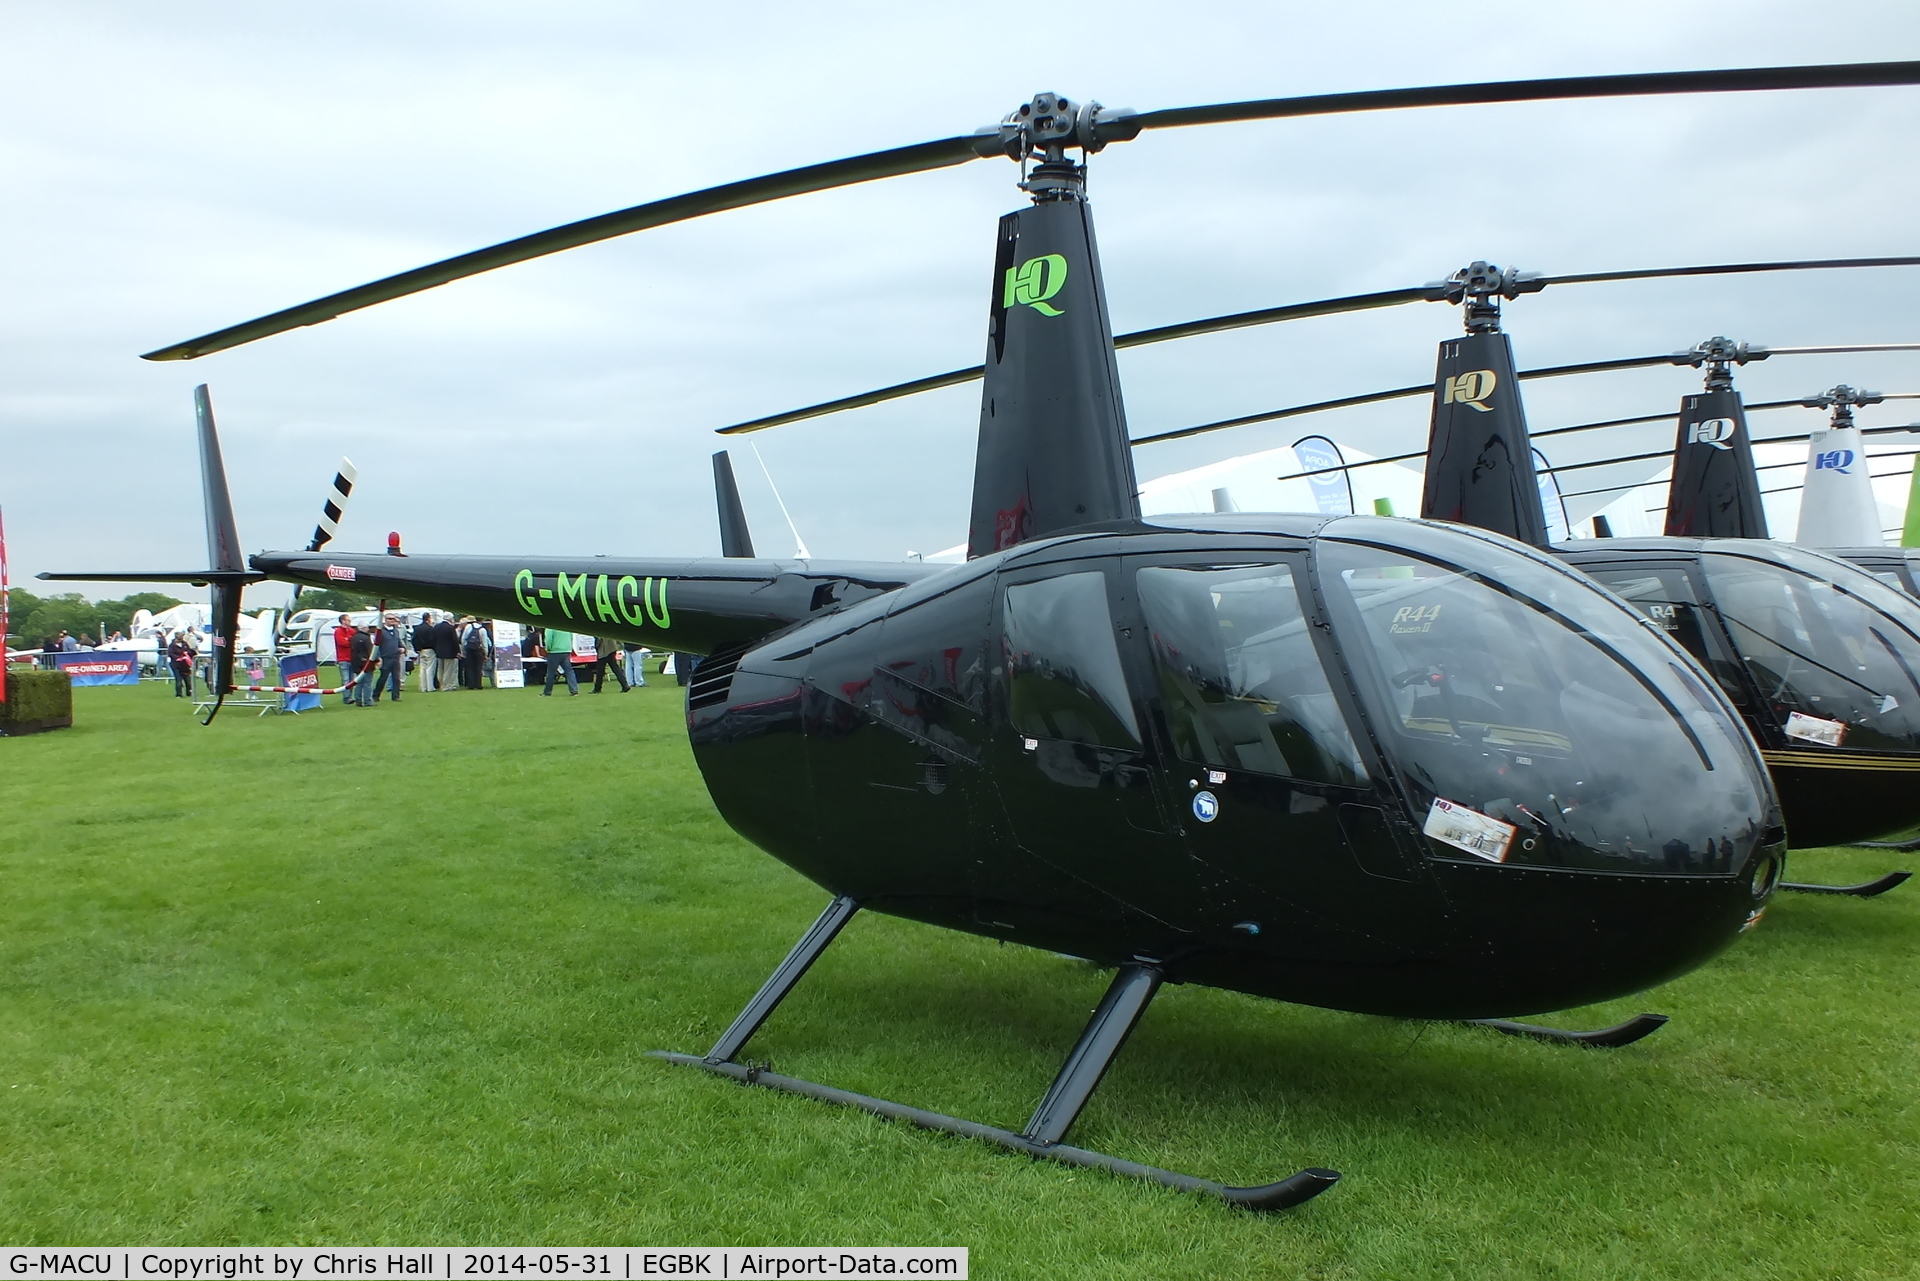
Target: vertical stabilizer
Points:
(223, 550)
(1837, 507)
(735, 539)
(1479, 458)
(1053, 449)
(223, 539)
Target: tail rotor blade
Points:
(336, 505)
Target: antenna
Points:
(799, 543)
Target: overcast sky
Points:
(174, 169)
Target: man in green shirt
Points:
(560, 658)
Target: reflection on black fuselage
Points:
(1182, 764)
(1819, 657)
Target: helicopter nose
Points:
(1550, 939)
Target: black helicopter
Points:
(1390, 766)
(1781, 629)
(1820, 658)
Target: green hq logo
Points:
(1034, 281)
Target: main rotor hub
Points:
(1843, 400)
(1479, 286)
(1044, 129)
(1715, 354)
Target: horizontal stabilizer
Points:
(195, 576)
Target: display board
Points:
(508, 673)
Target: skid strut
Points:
(1106, 1032)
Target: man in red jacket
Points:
(342, 647)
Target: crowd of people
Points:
(65, 642)
(448, 653)
(443, 652)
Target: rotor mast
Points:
(1477, 289)
(1714, 491)
(1053, 451)
(1480, 468)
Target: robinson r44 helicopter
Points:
(1206, 750)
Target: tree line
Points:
(31, 618)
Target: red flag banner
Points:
(3, 609)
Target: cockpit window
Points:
(1238, 675)
(1064, 679)
(1824, 642)
(1664, 596)
(1525, 695)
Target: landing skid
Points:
(1606, 1038)
(1126, 1000)
(1287, 1192)
(1867, 889)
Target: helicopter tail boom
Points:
(693, 606)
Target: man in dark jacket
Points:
(386, 644)
(446, 653)
(424, 659)
(360, 656)
(612, 659)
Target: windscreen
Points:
(1664, 595)
(1537, 721)
(1830, 648)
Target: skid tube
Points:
(1134, 985)
(1604, 1038)
(1290, 1191)
(1866, 889)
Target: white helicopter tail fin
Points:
(1837, 506)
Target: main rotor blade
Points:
(1737, 80)
(659, 213)
(919, 157)
(1731, 269)
(1337, 306)
(1397, 393)
(1138, 338)
(1551, 371)
(1624, 458)
(1753, 408)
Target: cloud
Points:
(177, 171)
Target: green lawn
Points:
(386, 976)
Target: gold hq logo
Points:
(1034, 281)
(1471, 388)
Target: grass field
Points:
(386, 976)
